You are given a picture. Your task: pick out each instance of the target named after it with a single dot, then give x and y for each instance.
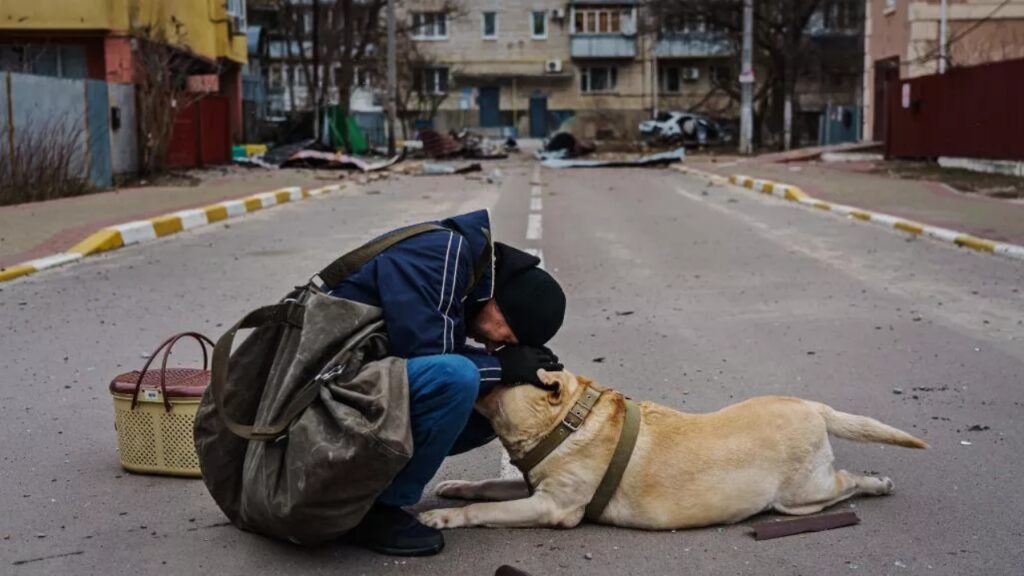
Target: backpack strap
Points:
(482, 263)
(336, 272)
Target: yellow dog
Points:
(686, 471)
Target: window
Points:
(669, 81)
(680, 24)
(59, 60)
(364, 77)
(360, 76)
(672, 78)
(236, 11)
(840, 15)
(275, 78)
(539, 24)
(307, 22)
(598, 79)
(490, 26)
(432, 80)
(430, 25)
(602, 21)
(720, 75)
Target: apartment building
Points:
(541, 66)
(902, 38)
(597, 67)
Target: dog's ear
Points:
(553, 383)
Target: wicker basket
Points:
(154, 413)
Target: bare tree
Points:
(781, 46)
(352, 36)
(416, 96)
(161, 70)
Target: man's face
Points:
(491, 329)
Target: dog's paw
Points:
(452, 489)
(443, 518)
(888, 486)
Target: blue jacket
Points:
(421, 285)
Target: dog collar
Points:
(569, 424)
(572, 422)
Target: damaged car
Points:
(687, 128)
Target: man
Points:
(435, 289)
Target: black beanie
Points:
(530, 299)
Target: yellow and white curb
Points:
(121, 235)
(794, 194)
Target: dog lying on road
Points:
(686, 470)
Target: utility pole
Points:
(316, 69)
(654, 80)
(943, 24)
(392, 86)
(747, 81)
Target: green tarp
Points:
(338, 124)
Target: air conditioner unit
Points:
(558, 13)
(553, 66)
(691, 74)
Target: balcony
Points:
(603, 46)
(693, 46)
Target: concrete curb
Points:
(794, 194)
(121, 235)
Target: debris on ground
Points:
(659, 159)
(977, 428)
(438, 145)
(434, 169)
(780, 528)
(310, 154)
(564, 145)
(336, 160)
(464, 144)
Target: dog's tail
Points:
(864, 429)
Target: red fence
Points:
(975, 112)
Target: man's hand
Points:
(519, 364)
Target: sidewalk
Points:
(920, 200)
(38, 229)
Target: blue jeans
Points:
(442, 390)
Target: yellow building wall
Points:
(201, 26)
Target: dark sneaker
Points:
(393, 531)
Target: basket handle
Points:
(169, 344)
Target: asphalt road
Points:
(680, 293)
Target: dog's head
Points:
(521, 415)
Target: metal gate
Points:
(972, 112)
(201, 134)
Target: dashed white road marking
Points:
(536, 205)
(535, 191)
(534, 227)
